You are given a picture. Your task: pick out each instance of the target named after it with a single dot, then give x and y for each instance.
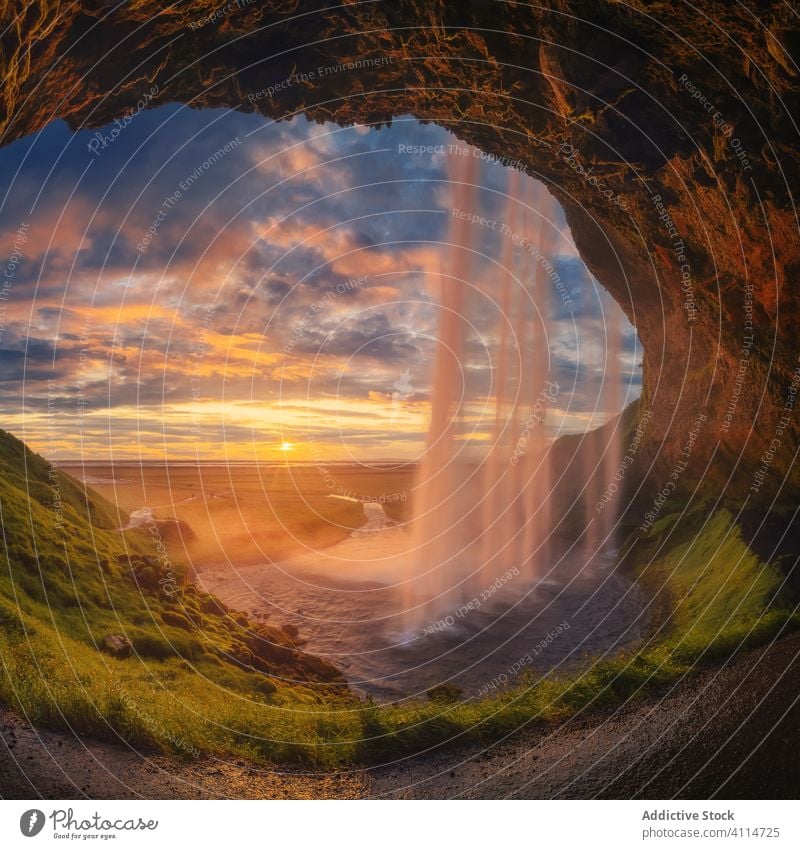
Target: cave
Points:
(665, 133)
(676, 178)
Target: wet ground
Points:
(345, 603)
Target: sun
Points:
(286, 446)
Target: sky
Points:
(210, 284)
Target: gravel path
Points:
(726, 733)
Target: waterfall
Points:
(602, 447)
(482, 502)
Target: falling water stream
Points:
(476, 522)
(478, 580)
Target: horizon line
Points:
(69, 461)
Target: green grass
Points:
(716, 591)
(190, 687)
(199, 680)
(719, 599)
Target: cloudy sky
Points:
(212, 284)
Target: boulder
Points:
(291, 630)
(117, 645)
(267, 687)
(445, 693)
(147, 578)
(209, 604)
(178, 620)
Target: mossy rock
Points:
(209, 604)
(147, 578)
(117, 645)
(267, 687)
(178, 620)
(445, 693)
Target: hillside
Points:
(102, 633)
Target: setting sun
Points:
(286, 446)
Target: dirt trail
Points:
(729, 732)
(56, 765)
(725, 733)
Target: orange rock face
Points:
(666, 134)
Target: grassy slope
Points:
(716, 591)
(187, 687)
(181, 693)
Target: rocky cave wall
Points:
(665, 130)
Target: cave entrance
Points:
(241, 325)
(269, 290)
